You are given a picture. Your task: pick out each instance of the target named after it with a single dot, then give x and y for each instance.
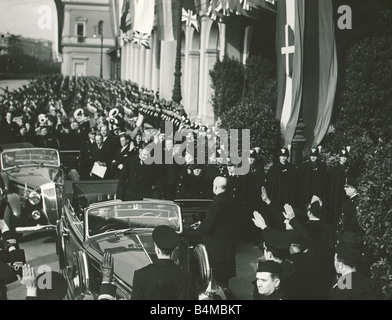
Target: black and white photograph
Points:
(195, 155)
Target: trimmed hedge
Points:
(375, 212)
(251, 105)
(260, 119)
(364, 122)
(228, 83)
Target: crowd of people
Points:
(303, 218)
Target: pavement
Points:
(40, 251)
(247, 256)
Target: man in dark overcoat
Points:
(137, 179)
(312, 179)
(281, 181)
(217, 232)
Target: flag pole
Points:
(177, 73)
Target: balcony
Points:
(81, 39)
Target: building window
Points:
(80, 29)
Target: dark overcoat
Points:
(281, 184)
(163, 280)
(136, 180)
(218, 235)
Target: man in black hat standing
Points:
(163, 279)
(352, 284)
(268, 281)
(281, 182)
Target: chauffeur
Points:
(163, 279)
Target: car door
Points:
(71, 234)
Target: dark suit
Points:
(111, 143)
(312, 180)
(86, 158)
(251, 190)
(336, 196)
(102, 154)
(318, 238)
(122, 154)
(68, 141)
(217, 231)
(191, 186)
(163, 280)
(281, 184)
(362, 288)
(136, 180)
(10, 132)
(348, 218)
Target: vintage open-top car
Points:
(33, 183)
(93, 222)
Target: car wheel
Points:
(200, 265)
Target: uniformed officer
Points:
(312, 179)
(235, 190)
(281, 183)
(348, 216)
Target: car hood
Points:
(32, 176)
(127, 251)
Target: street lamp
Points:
(100, 32)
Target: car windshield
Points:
(22, 157)
(132, 215)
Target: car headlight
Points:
(34, 198)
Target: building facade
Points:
(154, 68)
(86, 38)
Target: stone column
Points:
(298, 143)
